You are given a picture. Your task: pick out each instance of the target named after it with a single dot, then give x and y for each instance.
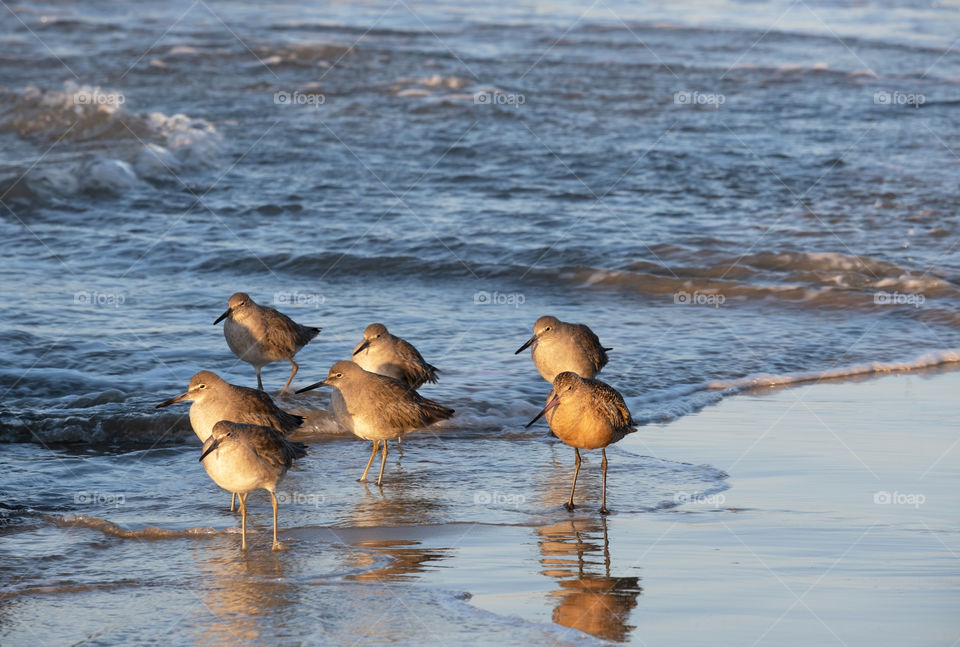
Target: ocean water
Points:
(730, 194)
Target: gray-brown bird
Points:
(376, 407)
(586, 414)
(214, 399)
(558, 346)
(260, 335)
(383, 353)
(243, 458)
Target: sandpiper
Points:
(586, 414)
(214, 399)
(383, 353)
(241, 458)
(376, 407)
(558, 346)
(260, 335)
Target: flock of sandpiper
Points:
(375, 396)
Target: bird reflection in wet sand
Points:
(577, 554)
(408, 558)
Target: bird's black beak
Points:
(179, 398)
(363, 346)
(554, 402)
(223, 316)
(527, 345)
(313, 386)
(210, 445)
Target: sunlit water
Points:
(722, 191)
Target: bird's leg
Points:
(603, 465)
(383, 461)
(576, 470)
(259, 381)
(369, 462)
(290, 379)
(400, 446)
(276, 544)
(233, 500)
(243, 520)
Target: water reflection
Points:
(576, 553)
(407, 560)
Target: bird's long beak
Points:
(363, 346)
(313, 386)
(550, 405)
(223, 316)
(527, 345)
(183, 396)
(210, 445)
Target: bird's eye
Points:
(202, 386)
(339, 375)
(546, 329)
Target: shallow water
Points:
(454, 173)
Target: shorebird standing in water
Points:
(214, 399)
(558, 346)
(376, 407)
(586, 414)
(260, 335)
(242, 458)
(383, 353)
